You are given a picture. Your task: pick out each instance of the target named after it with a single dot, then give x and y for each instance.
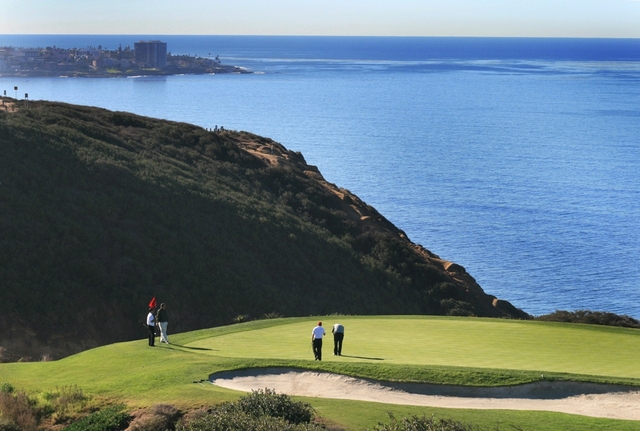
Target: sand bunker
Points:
(587, 399)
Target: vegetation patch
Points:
(112, 418)
(416, 423)
(591, 318)
(31, 411)
(260, 411)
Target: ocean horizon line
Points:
(355, 47)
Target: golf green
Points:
(446, 341)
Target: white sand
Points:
(603, 401)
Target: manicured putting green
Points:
(446, 341)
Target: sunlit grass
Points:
(411, 348)
(446, 341)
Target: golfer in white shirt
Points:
(316, 340)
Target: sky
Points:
(499, 18)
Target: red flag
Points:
(152, 304)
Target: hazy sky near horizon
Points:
(527, 18)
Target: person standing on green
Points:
(338, 336)
(163, 322)
(316, 341)
(151, 324)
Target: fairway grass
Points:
(444, 350)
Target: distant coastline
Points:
(124, 74)
(147, 59)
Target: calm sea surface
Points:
(516, 158)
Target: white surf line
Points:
(594, 400)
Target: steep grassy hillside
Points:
(100, 211)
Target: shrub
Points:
(259, 411)
(415, 423)
(267, 402)
(149, 423)
(226, 419)
(17, 412)
(62, 403)
(6, 387)
(110, 419)
(158, 417)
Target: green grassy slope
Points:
(100, 211)
(437, 350)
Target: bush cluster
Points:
(21, 411)
(158, 417)
(112, 418)
(17, 412)
(262, 410)
(62, 404)
(267, 403)
(591, 318)
(237, 420)
(416, 423)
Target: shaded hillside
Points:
(101, 210)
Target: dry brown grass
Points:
(17, 412)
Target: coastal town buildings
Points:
(30, 61)
(146, 58)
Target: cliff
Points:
(101, 210)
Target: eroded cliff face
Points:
(276, 155)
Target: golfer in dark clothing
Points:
(316, 340)
(163, 321)
(338, 336)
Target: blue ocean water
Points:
(516, 158)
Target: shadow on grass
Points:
(190, 348)
(362, 357)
